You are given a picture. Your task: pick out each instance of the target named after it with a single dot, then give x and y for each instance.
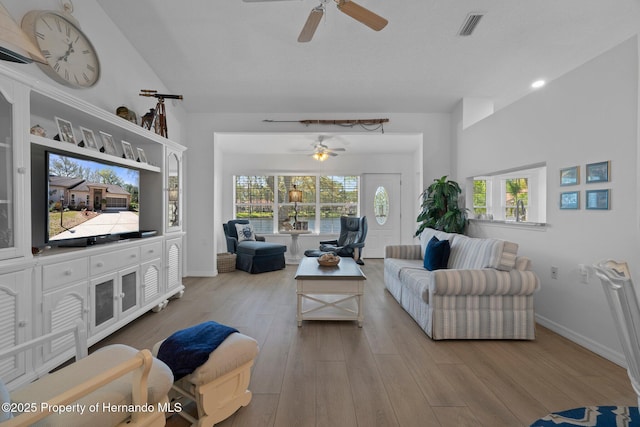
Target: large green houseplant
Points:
(440, 208)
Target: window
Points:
(324, 200)
(496, 196)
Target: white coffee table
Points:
(329, 293)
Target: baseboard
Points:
(208, 273)
(589, 344)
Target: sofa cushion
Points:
(436, 255)
(509, 254)
(416, 282)
(473, 253)
(254, 248)
(428, 233)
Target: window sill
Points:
(520, 224)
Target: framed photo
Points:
(107, 143)
(598, 172)
(570, 176)
(570, 200)
(141, 156)
(88, 138)
(598, 199)
(128, 150)
(65, 131)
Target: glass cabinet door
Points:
(7, 215)
(173, 195)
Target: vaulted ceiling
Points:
(243, 57)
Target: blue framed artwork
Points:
(598, 172)
(570, 176)
(598, 199)
(570, 200)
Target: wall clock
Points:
(71, 58)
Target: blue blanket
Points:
(186, 350)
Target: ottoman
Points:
(219, 386)
(259, 257)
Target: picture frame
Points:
(570, 176)
(598, 199)
(570, 200)
(65, 131)
(127, 149)
(108, 145)
(598, 172)
(88, 138)
(142, 157)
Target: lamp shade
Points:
(295, 195)
(14, 43)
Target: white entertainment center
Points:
(106, 285)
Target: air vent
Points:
(470, 24)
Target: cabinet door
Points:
(129, 296)
(174, 264)
(12, 322)
(174, 191)
(104, 302)
(151, 280)
(61, 309)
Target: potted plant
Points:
(440, 208)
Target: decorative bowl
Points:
(329, 263)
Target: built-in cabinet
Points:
(106, 286)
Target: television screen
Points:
(88, 198)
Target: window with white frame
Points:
(502, 195)
(264, 200)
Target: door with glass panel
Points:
(380, 202)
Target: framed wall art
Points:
(598, 172)
(570, 176)
(88, 138)
(598, 199)
(65, 131)
(570, 200)
(108, 145)
(142, 157)
(128, 150)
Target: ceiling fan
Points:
(348, 7)
(321, 151)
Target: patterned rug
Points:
(596, 416)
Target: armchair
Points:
(254, 255)
(353, 232)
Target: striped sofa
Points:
(486, 292)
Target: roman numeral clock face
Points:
(71, 58)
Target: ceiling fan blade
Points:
(311, 25)
(331, 153)
(338, 149)
(363, 15)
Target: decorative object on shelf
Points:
(65, 131)
(363, 123)
(142, 158)
(329, 259)
(570, 176)
(598, 172)
(14, 42)
(38, 130)
(88, 138)
(295, 196)
(127, 151)
(127, 114)
(108, 145)
(570, 200)
(157, 117)
(70, 57)
(440, 210)
(598, 199)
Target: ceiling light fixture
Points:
(538, 84)
(321, 156)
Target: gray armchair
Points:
(353, 232)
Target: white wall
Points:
(207, 218)
(588, 115)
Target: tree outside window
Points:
(480, 197)
(516, 189)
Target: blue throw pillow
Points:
(436, 255)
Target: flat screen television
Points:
(90, 200)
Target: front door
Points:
(381, 205)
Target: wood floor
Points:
(387, 373)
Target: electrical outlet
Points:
(554, 272)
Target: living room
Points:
(584, 115)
